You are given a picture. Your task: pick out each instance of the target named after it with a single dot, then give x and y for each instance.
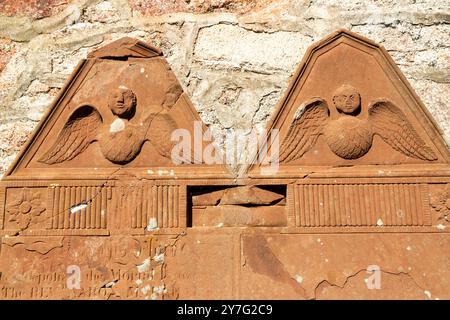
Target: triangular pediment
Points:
(318, 128)
(116, 114)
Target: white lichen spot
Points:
(159, 290)
(301, 109)
(154, 296)
(152, 224)
(380, 172)
(150, 171)
(172, 173)
(144, 266)
(117, 125)
(102, 212)
(110, 284)
(427, 293)
(408, 248)
(159, 257)
(78, 207)
(326, 260)
(142, 70)
(440, 226)
(380, 222)
(318, 240)
(163, 172)
(146, 289)
(220, 225)
(298, 278)
(138, 282)
(123, 87)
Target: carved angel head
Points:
(122, 103)
(347, 99)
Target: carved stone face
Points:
(122, 103)
(346, 99)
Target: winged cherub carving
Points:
(120, 139)
(347, 134)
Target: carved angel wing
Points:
(79, 131)
(161, 127)
(308, 123)
(390, 123)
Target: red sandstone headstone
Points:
(356, 205)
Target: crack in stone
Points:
(347, 279)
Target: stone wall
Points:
(233, 57)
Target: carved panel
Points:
(80, 207)
(377, 205)
(147, 206)
(141, 206)
(25, 208)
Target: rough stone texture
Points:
(160, 7)
(233, 58)
(37, 9)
